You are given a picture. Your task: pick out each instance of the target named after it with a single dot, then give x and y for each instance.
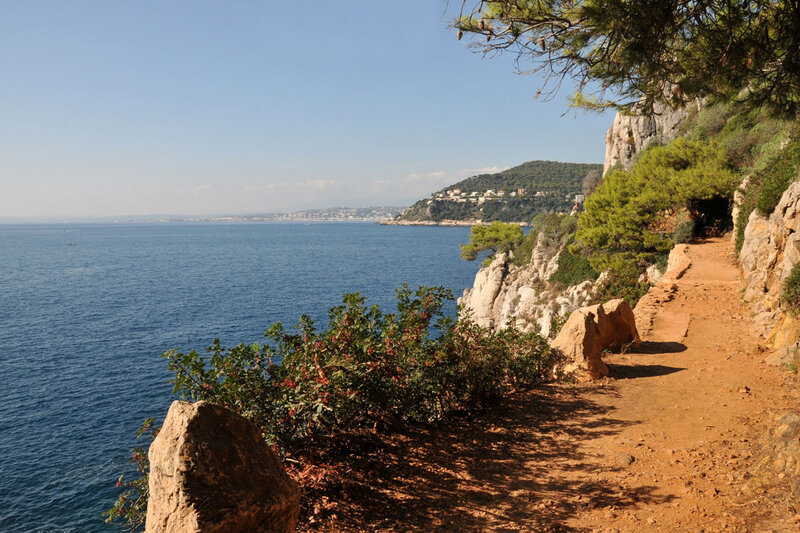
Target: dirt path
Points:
(663, 446)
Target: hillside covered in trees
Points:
(514, 195)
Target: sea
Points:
(86, 310)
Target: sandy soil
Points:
(663, 445)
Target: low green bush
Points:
(367, 369)
(573, 268)
(621, 281)
(790, 294)
(684, 228)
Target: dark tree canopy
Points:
(629, 53)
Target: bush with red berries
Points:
(367, 369)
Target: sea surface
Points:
(86, 310)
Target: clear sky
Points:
(206, 107)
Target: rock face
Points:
(770, 249)
(212, 472)
(503, 291)
(631, 133)
(590, 330)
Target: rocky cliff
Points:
(632, 133)
(770, 249)
(503, 292)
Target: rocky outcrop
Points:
(770, 249)
(212, 472)
(503, 292)
(632, 133)
(590, 330)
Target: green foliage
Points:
(767, 185)
(559, 181)
(496, 237)
(553, 229)
(781, 172)
(684, 228)
(790, 295)
(130, 509)
(366, 370)
(572, 268)
(661, 261)
(621, 217)
(640, 52)
(621, 281)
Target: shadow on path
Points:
(517, 467)
(651, 347)
(618, 371)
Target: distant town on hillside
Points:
(514, 195)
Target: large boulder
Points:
(616, 324)
(579, 341)
(590, 330)
(212, 472)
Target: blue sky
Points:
(128, 108)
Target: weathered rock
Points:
(616, 324)
(503, 292)
(212, 472)
(481, 299)
(579, 341)
(630, 134)
(770, 249)
(778, 455)
(590, 330)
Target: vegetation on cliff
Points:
(790, 293)
(528, 189)
(496, 237)
(623, 218)
(367, 369)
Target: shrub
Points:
(621, 281)
(366, 370)
(684, 228)
(790, 295)
(572, 268)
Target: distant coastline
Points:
(331, 214)
(438, 223)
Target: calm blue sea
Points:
(85, 311)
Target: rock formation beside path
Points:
(770, 249)
(212, 472)
(590, 330)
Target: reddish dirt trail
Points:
(663, 445)
(692, 411)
